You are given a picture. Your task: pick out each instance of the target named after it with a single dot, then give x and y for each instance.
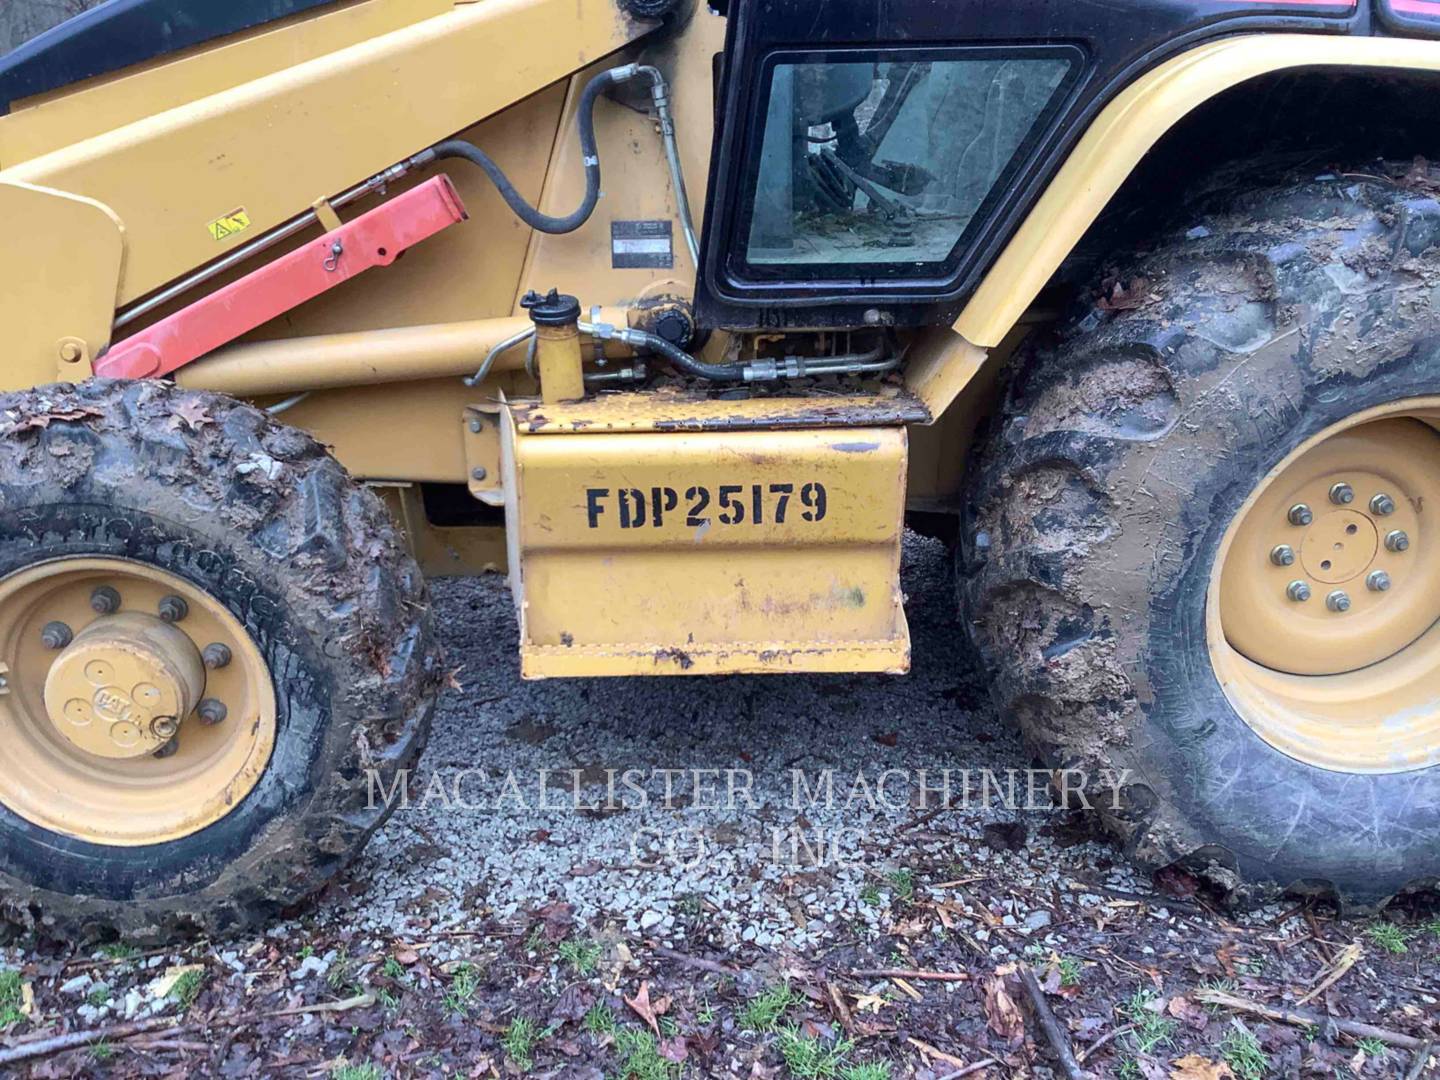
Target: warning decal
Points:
(236, 221)
(641, 245)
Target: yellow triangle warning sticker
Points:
(226, 226)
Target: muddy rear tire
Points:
(256, 523)
(1129, 442)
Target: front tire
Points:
(1137, 447)
(141, 524)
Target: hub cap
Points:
(1324, 605)
(101, 709)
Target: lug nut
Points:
(164, 727)
(211, 711)
(1298, 591)
(105, 600)
(1382, 504)
(1338, 601)
(1300, 514)
(1342, 494)
(168, 749)
(1282, 555)
(56, 635)
(1397, 540)
(216, 655)
(1377, 581)
(172, 608)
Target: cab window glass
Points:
(886, 162)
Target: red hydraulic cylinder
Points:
(374, 238)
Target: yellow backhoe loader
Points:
(679, 315)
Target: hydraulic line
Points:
(459, 148)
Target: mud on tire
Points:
(259, 516)
(1128, 441)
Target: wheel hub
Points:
(1315, 582)
(1324, 607)
(123, 686)
(135, 708)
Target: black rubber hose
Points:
(459, 148)
(687, 363)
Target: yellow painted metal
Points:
(68, 767)
(62, 256)
(443, 551)
(366, 357)
(637, 186)
(121, 688)
(1128, 127)
(940, 366)
(654, 553)
(670, 409)
(1351, 690)
(558, 360)
(276, 143)
(482, 453)
(80, 111)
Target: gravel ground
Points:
(750, 757)
(868, 937)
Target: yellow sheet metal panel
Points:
(691, 552)
(62, 258)
(41, 124)
(671, 409)
(1127, 128)
(275, 144)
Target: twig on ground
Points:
(359, 1001)
(910, 973)
(74, 1039)
(1304, 1018)
(1422, 1058)
(1113, 1033)
(968, 1069)
(694, 961)
(1059, 1041)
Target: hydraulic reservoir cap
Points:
(553, 309)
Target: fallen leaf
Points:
(1002, 1015)
(1189, 1013)
(1195, 1067)
(869, 1002)
(40, 421)
(674, 1049)
(190, 413)
(640, 1003)
(161, 987)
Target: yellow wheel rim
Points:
(136, 709)
(1324, 608)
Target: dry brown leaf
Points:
(1002, 1015)
(640, 1003)
(1195, 1067)
(1189, 1013)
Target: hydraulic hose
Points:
(678, 357)
(459, 148)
